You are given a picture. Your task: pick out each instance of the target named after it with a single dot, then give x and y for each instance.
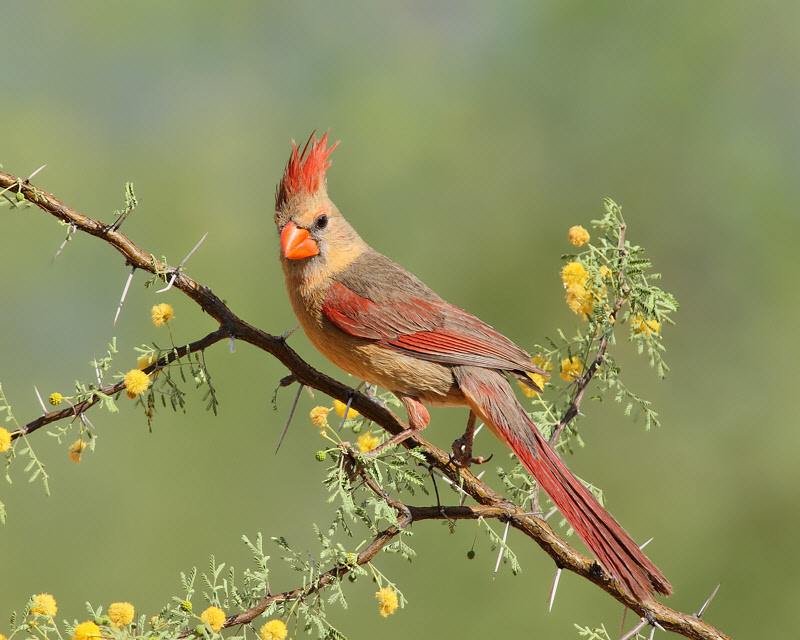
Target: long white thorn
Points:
(554, 588)
(124, 293)
(502, 548)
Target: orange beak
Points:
(296, 242)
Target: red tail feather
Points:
(492, 399)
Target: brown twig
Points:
(232, 326)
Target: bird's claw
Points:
(462, 455)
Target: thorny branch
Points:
(490, 503)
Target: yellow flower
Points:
(341, 406)
(76, 449)
(580, 300)
(86, 631)
(146, 361)
(319, 418)
(605, 272)
(578, 236)
(2, 637)
(388, 601)
(45, 605)
(55, 399)
(538, 379)
(136, 382)
(571, 368)
(214, 617)
(155, 622)
(162, 313)
(273, 630)
(574, 275)
(5, 440)
(645, 326)
(121, 613)
(367, 442)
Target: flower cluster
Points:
(538, 379)
(367, 442)
(339, 407)
(87, 631)
(44, 605)
(319, 418)
(387, 599)
(571, 368)
(76, 449)
(136, 382)
(162, 313)
(273, 630)
(5, 440)
(214, 617)
(578, 236)
(121, 613)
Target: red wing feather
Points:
(427, 329)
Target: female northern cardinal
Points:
(375, 320)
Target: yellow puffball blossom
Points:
(2, 637)
(341, 406)
(538, 379)
(578, 235)
(580, 300)
(86, 631)
(136, 382)
(388, 601)
(273, 630)
(367, 442)
(162, 313)
(155, 622)
(605, 272)
(121, 613)
(319, 418)
(214, 617)
(574, 275)
(5, 440)
(76, 449)
(45, 605)
(645, 326)
(571, 368)
(55, 399)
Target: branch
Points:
(232, 326)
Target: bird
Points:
(378, 322)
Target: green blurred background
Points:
(493, 126)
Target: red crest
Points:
(305, 170)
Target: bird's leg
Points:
(462, 448)
(418, 419)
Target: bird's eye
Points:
(321, 222)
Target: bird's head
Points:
(312, 231)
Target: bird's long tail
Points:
(490, 396)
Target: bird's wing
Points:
(402, 314)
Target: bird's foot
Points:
(462, 454)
